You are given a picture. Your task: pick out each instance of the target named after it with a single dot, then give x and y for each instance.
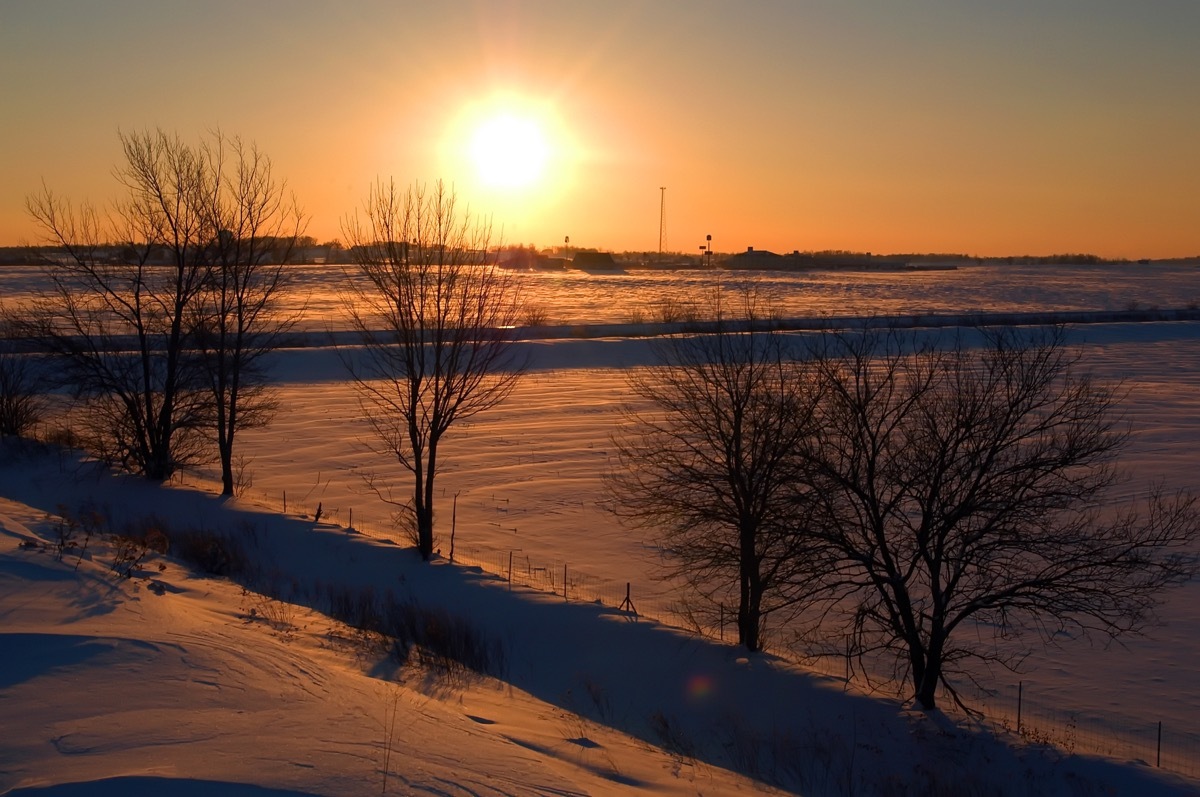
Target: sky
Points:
(968, 126)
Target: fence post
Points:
(1020, 696)
(848, 645)
(1158, 755)
(627, 604)
(351, 519)
(453, 522)
(285, 502)
(510, 571)
(564, 580)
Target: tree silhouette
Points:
(435, 318)
(965, 498)
(710, 460)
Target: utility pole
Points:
(662, 220)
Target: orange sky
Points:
(951, 126)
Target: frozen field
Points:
(529, 481)
(528, 476)
(574, 298)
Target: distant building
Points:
(592, 262)
(762, 260)
(754, 260)
(528, 260)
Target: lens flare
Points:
(700, 688)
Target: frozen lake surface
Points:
(573, 297)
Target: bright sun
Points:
(509, 151)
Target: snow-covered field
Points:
(79, 648)
(173, 682)
(529, 482)
(577, 298)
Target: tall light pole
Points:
(708, 250)
(662, 220)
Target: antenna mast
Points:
(662, 219)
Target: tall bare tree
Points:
(121, 327)
(964, 492)
(435, 317)
(710, 460)
(255, 225)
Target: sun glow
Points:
(509, 151)
(513, 157)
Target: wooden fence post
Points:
(453, 524)
(627, 604)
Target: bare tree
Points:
(120, 328)
(161, 308)
(435, 317)
(710, 460)
(964, 495)
(255, 224)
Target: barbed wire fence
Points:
(1012, 708)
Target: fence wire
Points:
(1010, 708)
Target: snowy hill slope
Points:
(174, 681)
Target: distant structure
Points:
(763, 260)
(596, 263)
(754, 259)
(521, 259)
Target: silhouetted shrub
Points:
(211, 552)
(22, 401)
(434, 637)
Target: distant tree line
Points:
(305, 249)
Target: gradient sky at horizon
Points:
(971, 126)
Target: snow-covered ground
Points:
(176, 683)
(80, 647)
(173, 682)
(570, 297)
(529, 482)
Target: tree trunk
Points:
(926, 682)
(750, 599)
(748, 626)
(226, 427)
(226, 470)
(159, 466)
(425, 501)
(424, 513)
(926, 695)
